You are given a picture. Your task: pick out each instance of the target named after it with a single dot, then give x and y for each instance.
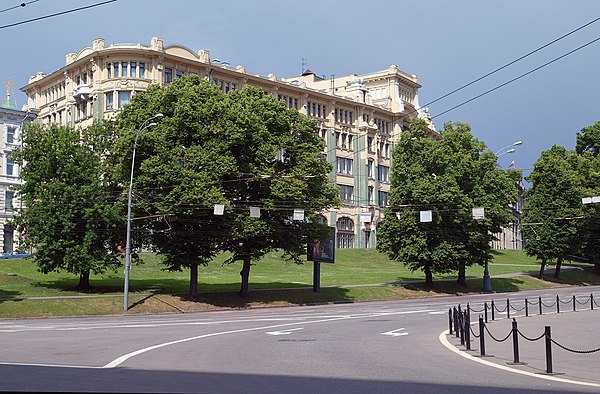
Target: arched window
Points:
(321, 220)
(345, 233)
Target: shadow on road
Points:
(33, 378)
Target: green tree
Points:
(239, 149)
(552, 210)
(70, 214)
(279, 167)
(450, 176)
(588, 140)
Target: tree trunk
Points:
(84, 281)
(462, 275)
(428, 275)
(194, 281)
(558, 265)
(245, 273)
(542, 268)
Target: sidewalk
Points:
(574, 330)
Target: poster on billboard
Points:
(322, 250)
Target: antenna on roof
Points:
(304, 65)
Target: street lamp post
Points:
(487, 282)
(143, 127)
(516, 143)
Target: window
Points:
(370, 144)
(344, 166)
(142, 70)
(350, 138)
(8, 198)
(178, 74)
(10, 134)
(133, 69)
(345, 233)
(109, 70)
(346, 194)
(116, 69)
(383, 173)
(370, 195)
(124, 67)
(124, 98)
(383, 198)
(109, 100)
(168, 75)
(10, 166)
(370, 168)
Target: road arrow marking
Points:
(286, 332)
(394, 333)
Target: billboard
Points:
(322, 250)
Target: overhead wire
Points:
(511, 62)
(517, 78)
(57, 14)
(21, 5)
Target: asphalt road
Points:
(362, 347)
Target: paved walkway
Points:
(577, 331)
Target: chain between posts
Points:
(461, 320)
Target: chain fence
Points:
(460, 325)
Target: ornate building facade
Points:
(12, 122)
(360, 117)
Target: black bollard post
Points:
(461, 324)
(515, 336)
(557, 304)
(481, 337)
(468, 331)
(450, 320)
(526, 308)
(493, 309)
(507, 308)
(574, 308)
(456, 323)
(468, 309)
(485, 308)
(592, 301)
(548, 336)
(540, 304)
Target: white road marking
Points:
(286, 332)
(395, 333)
(453, 348)
(120, 360)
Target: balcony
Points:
(82, 92)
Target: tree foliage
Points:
(556, 223)
(450, 176)
(588, 140)
(70, 214)
(240, 149)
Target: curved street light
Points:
(487, 282)
(507, 152)
(516, 143)
(145, 125)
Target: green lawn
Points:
(20, 278)
(154, 290)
